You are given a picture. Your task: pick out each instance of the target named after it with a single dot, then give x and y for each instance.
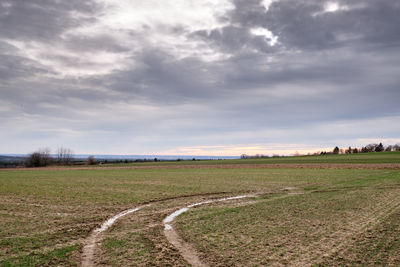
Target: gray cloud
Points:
(41, 19)
(158, 87)
(301, 25)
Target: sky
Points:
(198, 77)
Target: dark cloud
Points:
(164, 80)
(14, 67)
(304, 25)
(42, 19)
(327, 69)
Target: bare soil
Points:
(92, 255)
(187, 251)
(372, 166)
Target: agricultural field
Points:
(361, 158)
(303, 211)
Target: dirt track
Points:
(185, 249)
(95, 238)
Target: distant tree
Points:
(336, 150)
(46, 157)
(348, 151)
(396, 147)
(39, 158)
(355, 150)
(379, 148)
(91, 160)
(34, 160)
(371, 147)
(65, 156)
(389, 148)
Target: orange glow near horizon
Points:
(232, 150)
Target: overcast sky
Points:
(198, 77)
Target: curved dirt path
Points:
(185, 249)
(87, 256)
(90, 243)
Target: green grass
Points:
(134, 247)
(50, 258)
(380, 245)
(282, 231)
(360, 158)
(43, 212)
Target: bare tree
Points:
(34, 160)
(65, 156)
(46, 157)
(91, 160)
(39, 158)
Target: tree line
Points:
(42, 157)
(365, 149)
(63, 156)
(350, 150)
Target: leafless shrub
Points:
(91, 160)
(39, 158)
(65, 156)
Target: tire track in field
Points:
(90, 244)
(185, 249)
(87, 256)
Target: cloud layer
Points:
(197, 77)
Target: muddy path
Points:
(91, 241)
(95, 238)
(165, 211)
(185, 249)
